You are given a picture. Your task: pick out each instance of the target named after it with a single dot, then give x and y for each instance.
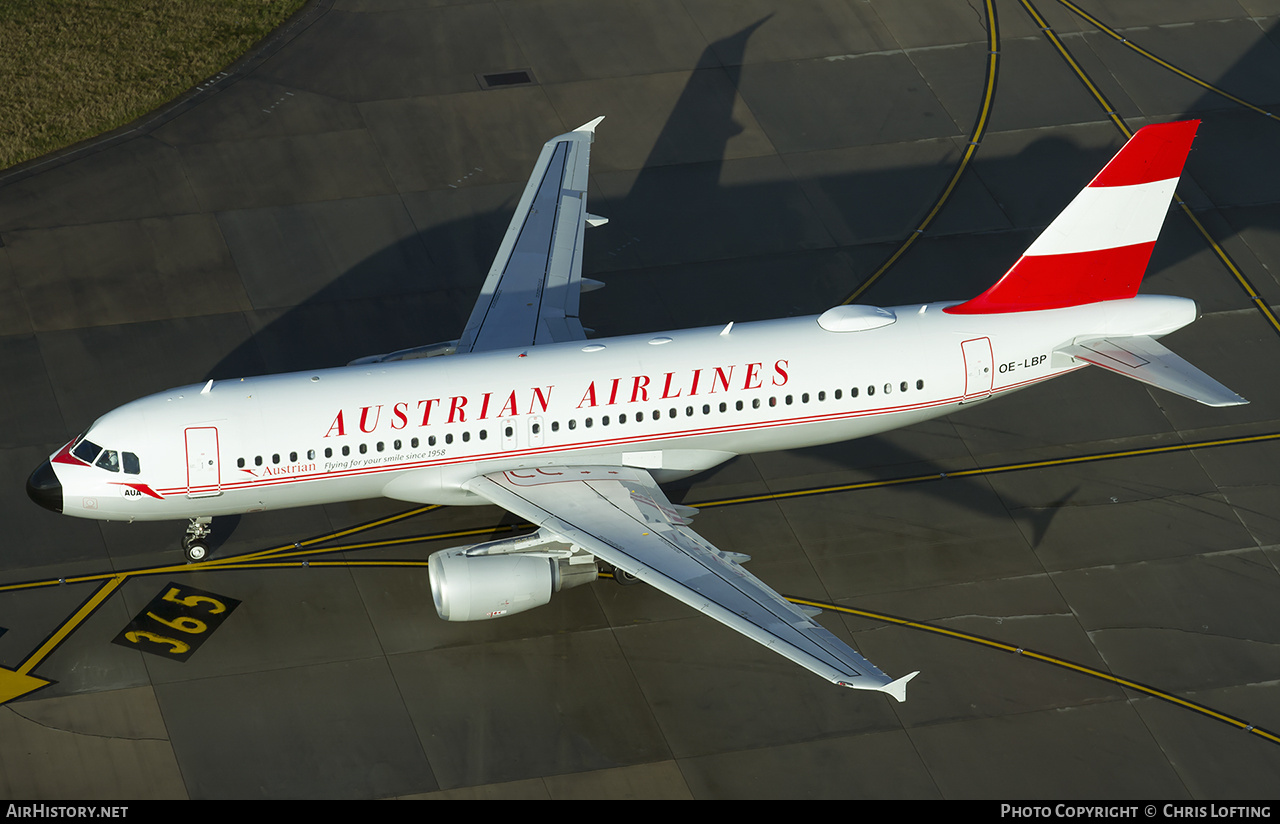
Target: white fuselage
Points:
(674, 403)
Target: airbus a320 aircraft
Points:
(575, 435)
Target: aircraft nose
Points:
(44, 489)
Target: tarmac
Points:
(1087, 573)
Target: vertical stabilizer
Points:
(1098, 247)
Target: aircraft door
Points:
(204, 475)
(979, 371)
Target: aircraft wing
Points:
(531, 293)
(1140, 357)
(621, 516)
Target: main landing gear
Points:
(196, 543)
(624, 578)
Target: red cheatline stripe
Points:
(1156, 152)
(653, 440)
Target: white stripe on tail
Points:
(1099, 246)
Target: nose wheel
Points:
(195, 545)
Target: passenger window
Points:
(346, 450)
(902, 387)
(431, 440)
(328, 452)
(448, 438)
(133, 467)
(109, 461)
(484, 433)
(888, 387)
(919, 384)
(257, 460)
(364, 448)
(573, 424)
(311, 454)
(413, 444)
(239, 462)
(275, 459)
(466, 436)
(293, 457)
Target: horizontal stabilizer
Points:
(1140, 357)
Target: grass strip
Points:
(73, 69)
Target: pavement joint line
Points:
(1104, 28)
(283, 553)
(1124, 129)
(1045, 658)
(975, 140)
(280, 558)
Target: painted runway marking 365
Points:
(176, 622)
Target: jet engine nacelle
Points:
(476, 587)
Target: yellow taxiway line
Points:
(1240, 277)
(1048, 659)
(975, 140)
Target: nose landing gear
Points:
(196, 543)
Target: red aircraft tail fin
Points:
(1098, 247)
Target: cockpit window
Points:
(131, 466)
(109, 460)
(86, 451)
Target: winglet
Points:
(898, 689)
(590, 126)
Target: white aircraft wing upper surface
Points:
(531, 293)
(621, 516)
